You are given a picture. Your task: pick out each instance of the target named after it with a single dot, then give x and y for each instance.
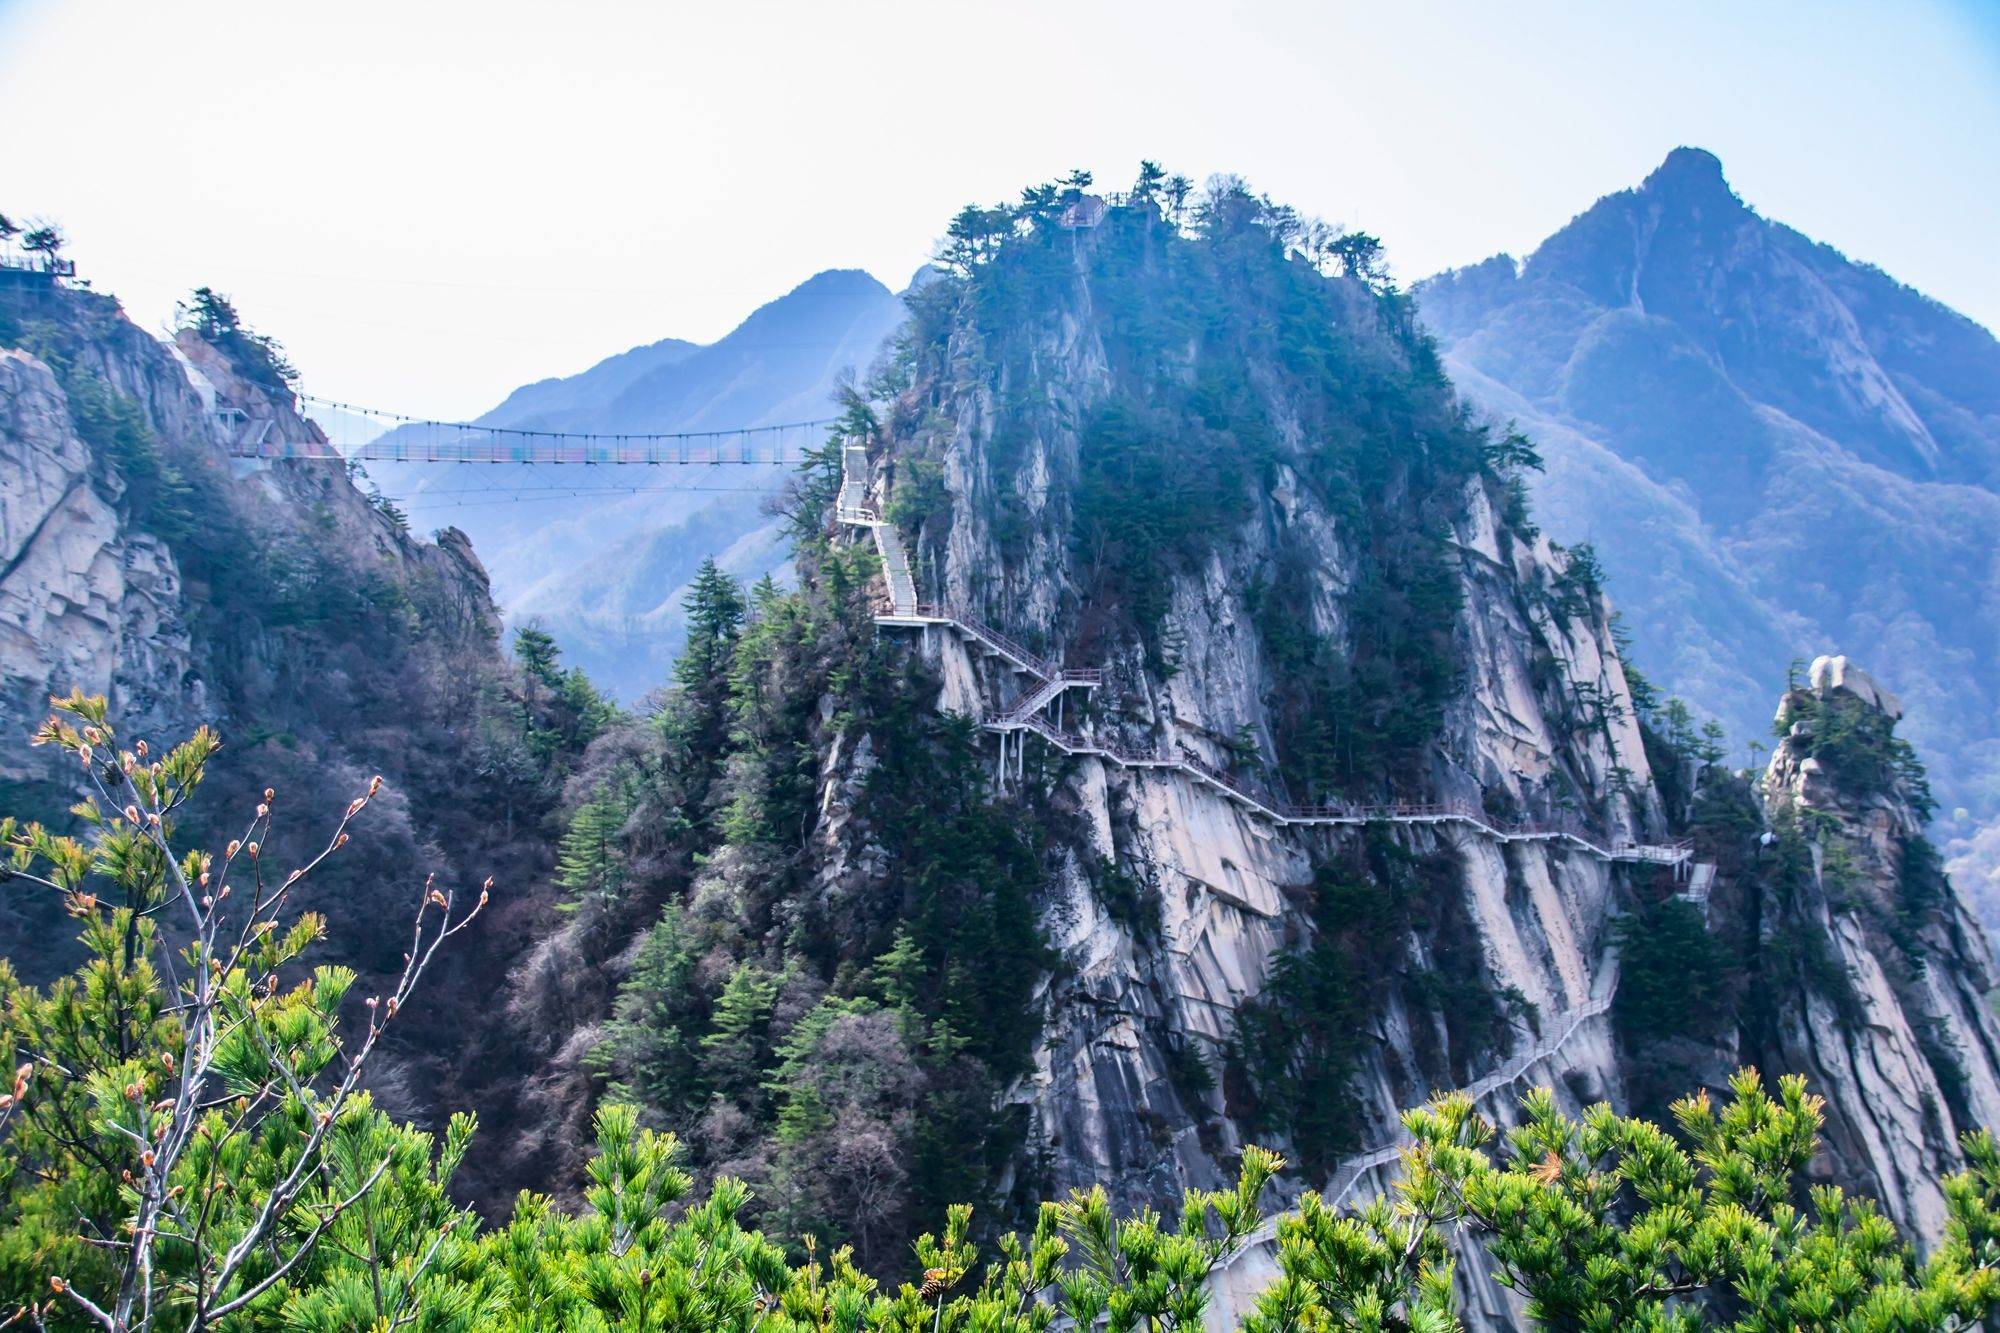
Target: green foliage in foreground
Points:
(184, 1147)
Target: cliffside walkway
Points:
(1353, 1170)
(1049, 681)
(1701, 883)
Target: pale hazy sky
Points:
(430, 203)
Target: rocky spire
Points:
(1691, 175)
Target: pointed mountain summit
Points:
(1690, 169)
(1774, 448)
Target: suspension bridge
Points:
(394, 437)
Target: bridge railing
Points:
(1667, 853)
(39, 264)
(1024, 712)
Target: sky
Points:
(431, 203)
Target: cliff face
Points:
(277, 603)
(121, 495)
(1536, 722)
(1293, 985)
(1731, 413)
(83, 600)
(1457, 953)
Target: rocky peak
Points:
(1837, 675)
(1729, 412)
(1891, 1017)
(1690, 178)
(1147, 465)
(1838, 750)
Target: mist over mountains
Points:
(1777, 451)
(600, 557)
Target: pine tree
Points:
(589, 864)
(733, 1051)
(715, 608)
(649, 1048)
(696, 722)
(536, 651)
(898, 974)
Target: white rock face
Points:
(1833, 673)
(1103, 1102)
(85, 600)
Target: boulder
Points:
(1835, 674)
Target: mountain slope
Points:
(601, 556)
(883, 886)
(1774, 449)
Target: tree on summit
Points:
(1360, 256)
(258, 357)
(44, 239)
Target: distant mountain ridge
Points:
(1777, 452)
(601, 556)
(564, 395)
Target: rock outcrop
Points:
(278, 603)
(1895, 1026)
(1136, 1081)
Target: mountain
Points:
(601, 557)
(1180, 735)
(274, 602)
(1774, 450)
(1259, 768)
